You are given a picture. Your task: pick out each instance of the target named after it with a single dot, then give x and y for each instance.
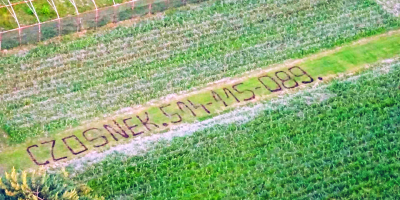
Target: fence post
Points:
(20, 37)
(40, 33)
(114, 16)
(133, 8)
(150, 8)
(59, 28)
(78, 28)
(96, 18)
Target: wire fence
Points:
(85, 21)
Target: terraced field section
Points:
(146, 122)
(54, 87)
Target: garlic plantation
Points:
(337, 141)
(56, 86)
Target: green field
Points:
(280, 99)
(343, 147)
(58, 86)
(348, 59)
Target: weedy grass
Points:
(344, 147)
(54, 87)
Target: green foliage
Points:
(40, 185)
(45, 10)
(125, 14)
(171, 11)
(27, 10)
(158, 6)
(345, 147)
(9, 43)
(49, 32)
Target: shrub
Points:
(45, 10)
(40, 185)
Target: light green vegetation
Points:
(87, 21)
(57, 86)
(46, 12)
(344, 147)
(352, 58)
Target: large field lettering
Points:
(93, 139)
(177, 112)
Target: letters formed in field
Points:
(139, 124)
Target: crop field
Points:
(281, 99)
(343, 142)
(62, 85)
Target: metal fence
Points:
(85, 21)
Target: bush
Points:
(40, 185)
(9, 43)
(45, 10)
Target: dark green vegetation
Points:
(60, 85)
(18, 185)
(344, 147)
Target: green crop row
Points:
(345, 146)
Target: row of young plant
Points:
(67, 66)
(344, 146)
(95, 90)
(154, 53)
(143, 26)
(204, 12)
(166, 35)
